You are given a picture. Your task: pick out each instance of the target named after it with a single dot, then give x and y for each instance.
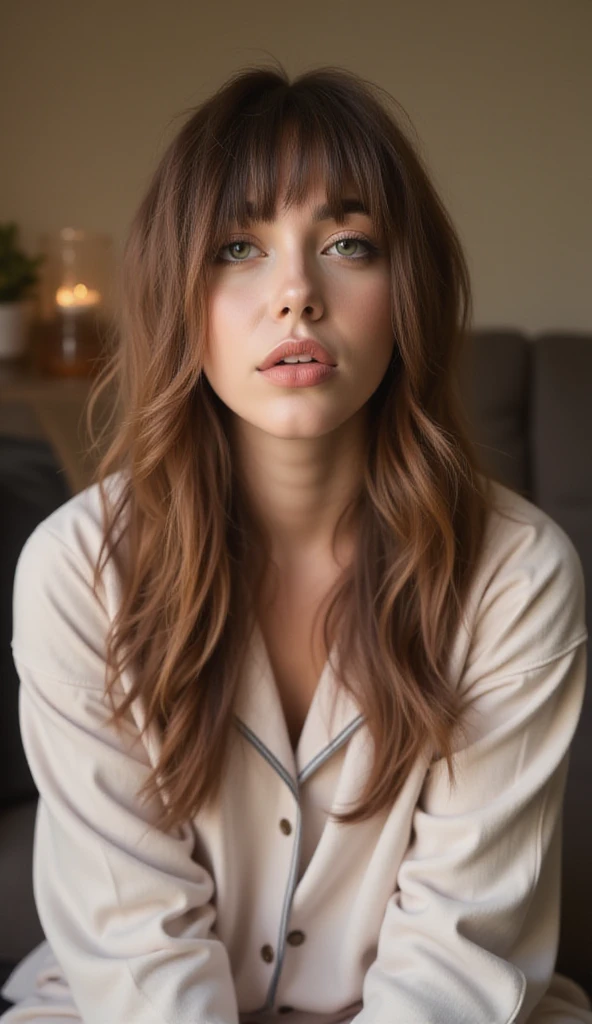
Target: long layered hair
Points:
(194, 556)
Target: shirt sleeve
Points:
(124, 906)
(471, 932)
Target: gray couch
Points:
(530, 405)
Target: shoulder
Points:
(58, 618)
(76, 525)
(520, 531)
(527, 550)
(527, 603)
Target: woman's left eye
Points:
(370, 249)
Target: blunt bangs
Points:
(317, 139)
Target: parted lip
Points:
(297, 347)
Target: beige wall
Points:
(500, 94)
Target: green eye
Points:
(368, 249)
(348, 241)
(236, 245)
(232, 247)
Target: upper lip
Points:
(297, 347)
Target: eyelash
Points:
(371, 249)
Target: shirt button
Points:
(296, 938)
(267, 954)
(285, 826)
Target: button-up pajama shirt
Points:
(441, 909)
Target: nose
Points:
(296, 292)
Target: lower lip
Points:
(298, 375)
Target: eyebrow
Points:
(323, 212)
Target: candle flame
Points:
(78, 297)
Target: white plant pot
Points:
(13, 330)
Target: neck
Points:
(298, 488)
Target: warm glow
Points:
(78, 297)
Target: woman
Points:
(298, 680)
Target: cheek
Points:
(370, 295)
(227, 316)
(375, 323)
(381, 301)
(373, 315)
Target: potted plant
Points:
(18, 275)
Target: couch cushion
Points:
(31, 487)
(561, 426)
(494, 385)
(20, 929)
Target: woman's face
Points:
(299, 276)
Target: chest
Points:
(296, 673)
(291, 625)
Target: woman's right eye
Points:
(234, 246)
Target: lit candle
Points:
(73, 303)
(77, 298)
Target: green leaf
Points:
(19, 273)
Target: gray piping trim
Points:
(330, 749)
(294, 789)
(269, 757)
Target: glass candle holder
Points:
(75, 293)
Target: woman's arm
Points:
(471, 933)
(124, 907)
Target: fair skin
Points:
(300, 449)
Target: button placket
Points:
(291, 851)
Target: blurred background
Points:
(500, 100)
(500, 96)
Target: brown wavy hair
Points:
(194, 556)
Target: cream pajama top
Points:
(443, 909)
